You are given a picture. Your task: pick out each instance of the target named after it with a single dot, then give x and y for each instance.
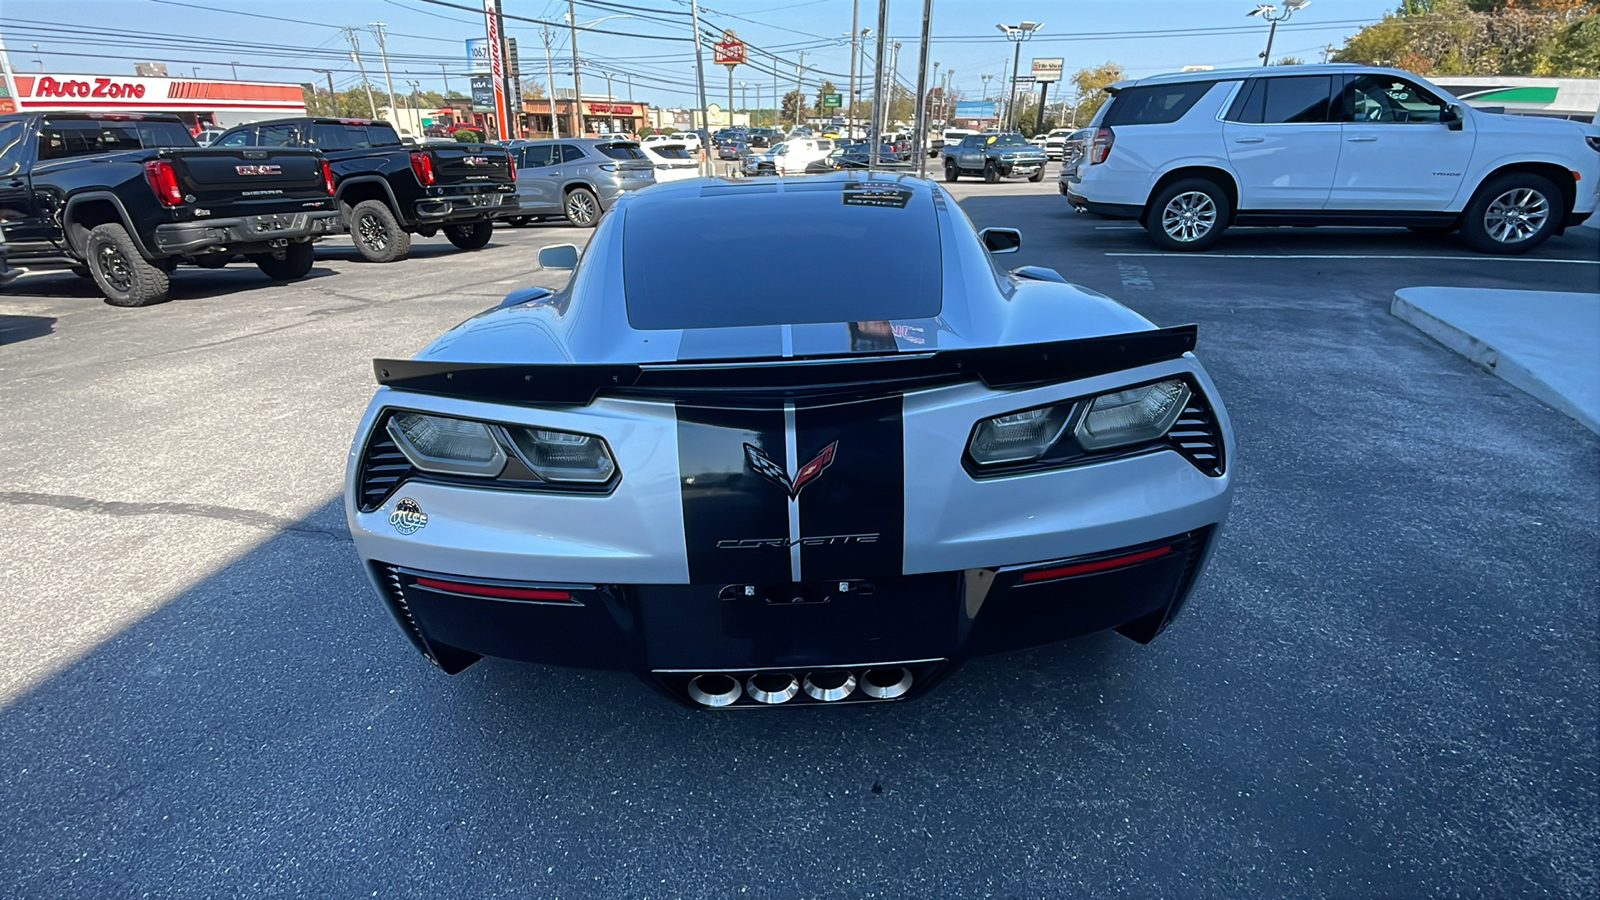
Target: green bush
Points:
(468, 135)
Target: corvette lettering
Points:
(831, 540)
(101, 87)
(258, 170)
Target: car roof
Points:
(1238, 74)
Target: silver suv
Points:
(579, 178)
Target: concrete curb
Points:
(1420, 308)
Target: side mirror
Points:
(1001, 240)
(525, 295)
(1451, 117)
(559, 256)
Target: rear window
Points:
(667, 249)
(570, 153)
(327, 136)
(1282, 101)
(621, 151)
(381, 136)
(1156, 104)
(59, 140)
(673, 151)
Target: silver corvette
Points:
(796, 498)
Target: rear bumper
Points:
(1103, 210)
(465, 207)
(182, 238)
(660, 631)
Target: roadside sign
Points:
(483, 93)
(729, 51)
(1022, 79)
(478, 56)
(832, 100)
(1047, 70)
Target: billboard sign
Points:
(478, 56)
(829, 101)
(483, 93)
(729, 51)
(982, 110)
(1046, 71)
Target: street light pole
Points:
(700, 84)
(577, 79)
(550, 81)
(1273, 16)
(929, 99)
(446, 73)
(920, 114)
(875, 137)
(849, 98)
(1016, 34)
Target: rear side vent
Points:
(383, 468)
(394, 594)
(1197, 437)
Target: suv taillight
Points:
(327, 177)
(511, 166)
(422, 164)
(1103, 139)
(164, 181)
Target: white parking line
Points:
(1486, 258)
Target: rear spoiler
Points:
(721, 380)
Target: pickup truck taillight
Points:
(1103, 139)
(164, 181)
(422, 164)
(327, 177)
(511, 166)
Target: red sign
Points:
(102, 87)
(497, 69)
(729, 51)
(618, 109)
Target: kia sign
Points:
(729, 51)
(1046, 71)
(483, 93)
(478, 56)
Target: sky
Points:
(290, 40)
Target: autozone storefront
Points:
(198, 102)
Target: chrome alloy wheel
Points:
(1189, 216)
(373, 234)
(114, 266)
(1516, 215)
(580, 207)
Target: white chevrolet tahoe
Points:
(1189, 155)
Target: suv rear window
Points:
(381, 136)
(1155, 104)
(621, 151)
(672, 151)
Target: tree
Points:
(533, 89)
(1288, 61)
(1481, 37)
(818, 108)
(1087, 84)
(351, 103)
(792, 102)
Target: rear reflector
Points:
(496, 591)
(1098, 565)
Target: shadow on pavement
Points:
(15, 329)
(188, 283)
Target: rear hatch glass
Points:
(1155, 104)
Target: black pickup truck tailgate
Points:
(246, 180)
(470, 164)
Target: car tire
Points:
(583, 208)
(296, 262)
(951, 173)
(1189, 214)
(124, 277)
(991, 172)
(1512, 213)
(1037, 176)
(377, 234)
(469, 235)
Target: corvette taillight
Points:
(422, 164)
(164, 181)
(1104, 137)
(327, 177)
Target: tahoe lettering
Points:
(102, 87)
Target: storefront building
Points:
(599, 117)
(197, 102)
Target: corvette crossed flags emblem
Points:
(774, 473)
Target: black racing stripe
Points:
(852, 519)
(735, 521)
(751, 342)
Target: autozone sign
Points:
(138, 94)
(98, 87)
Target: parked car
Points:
(1055, 142)
(788, 158)
(656, 138)
(994, 156)
(387, 191)
(579, 178)
(1074, 151)
(125, 199)
(629, 472)
(690, 139)
(732, 150)
(1039, 140)
(763, 138)
(857, 156)
(673, 162)
(952, 138)
(208, 136)
(1190, 154)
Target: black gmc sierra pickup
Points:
(388, 191)
(125, 198)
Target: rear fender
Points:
(76, 227)
(366, 187)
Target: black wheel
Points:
(469, 235)
(378, 236)
(123, 276)
(517, 221)
(991, 172)
(1512, 213)
(951, 173)
(295, 262)
(583, 209)
(1037, 176)
(1188, 215)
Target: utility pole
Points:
(929, 99)
(744, 98)
(333, 101)
(919, 115)
(577, 80)
(550, 79)
(894, 84)
(856, 100)
(850, 98)
(235, 66)
(383, 52)
(446, 73)
(355, 54)
(1005, 110)
(700, 85)
(799, 85)
(876, 137)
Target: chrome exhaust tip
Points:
(772, 687)
(829, 686)
(886, 684)
(714, 690)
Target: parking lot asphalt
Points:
(1385, 686)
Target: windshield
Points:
(1008, 140)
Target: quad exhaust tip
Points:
(886, 684)
(830, 686)
(772, 688)
(714, 690)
